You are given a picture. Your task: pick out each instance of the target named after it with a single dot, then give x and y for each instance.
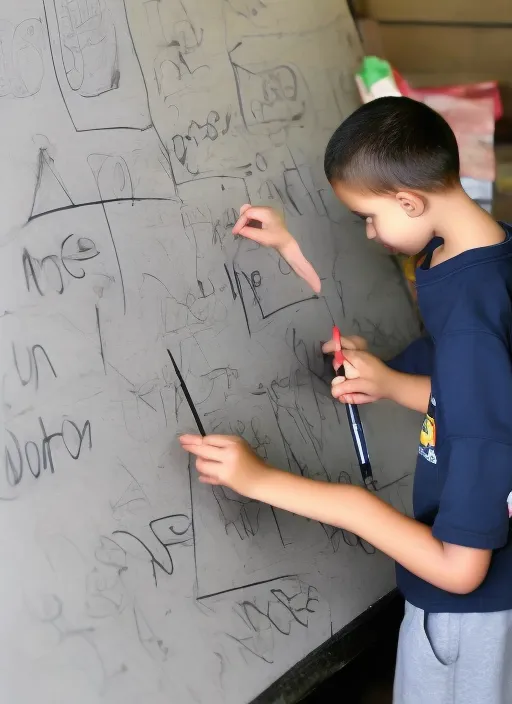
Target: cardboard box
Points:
(371, 37)
(434, 56)
(437, 49)
(478, 11)
(503, 130)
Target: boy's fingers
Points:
(352, 354)
(207, 452)
(330, 347)
(353, 365)
(189, 439)
(204, 479)
(351, 372)
(243, 218)
(260, 214)
(207, 468)
(346, 344)
(351, 386)
(219, 440)
(215, 440)
(239, 224)
(253, 233)
(356, 399)
(358, 342)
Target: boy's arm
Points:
(411, 543)
(229, 461)
(407, 390)
(266, 227)
(410, 390)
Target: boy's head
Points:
(393, 161)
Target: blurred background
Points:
(461, 51)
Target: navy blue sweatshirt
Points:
(463, 481)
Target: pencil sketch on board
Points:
(132, 132)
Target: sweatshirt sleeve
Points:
(417, 358)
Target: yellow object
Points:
(409, 267)
(428, 432)
(504, 178)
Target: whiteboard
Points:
(131, 133)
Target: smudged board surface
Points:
(131, 133)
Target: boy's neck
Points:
(463, 225)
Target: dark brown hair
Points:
(393, 143)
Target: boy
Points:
(395, 163)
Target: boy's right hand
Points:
(367, 379)
(272, 232)
(227, 460)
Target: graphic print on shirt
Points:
(427, 447)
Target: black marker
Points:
(354, 420)
(187, 395)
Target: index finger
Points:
(346, 344)
(260, 213)
(219, 440)
(243, 219)
(189, 439)
(206, 452)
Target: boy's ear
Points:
(413, 204)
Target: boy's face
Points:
(400, 221)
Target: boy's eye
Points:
(362, 216)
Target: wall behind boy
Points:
(131, 134)
(457, 11)
(443, 43)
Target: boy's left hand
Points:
(348, 342)
(226, 460)
(367, 379)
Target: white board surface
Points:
(131, 133)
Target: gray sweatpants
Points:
(454, 658)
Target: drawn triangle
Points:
(50, 192)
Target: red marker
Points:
(339, 357)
